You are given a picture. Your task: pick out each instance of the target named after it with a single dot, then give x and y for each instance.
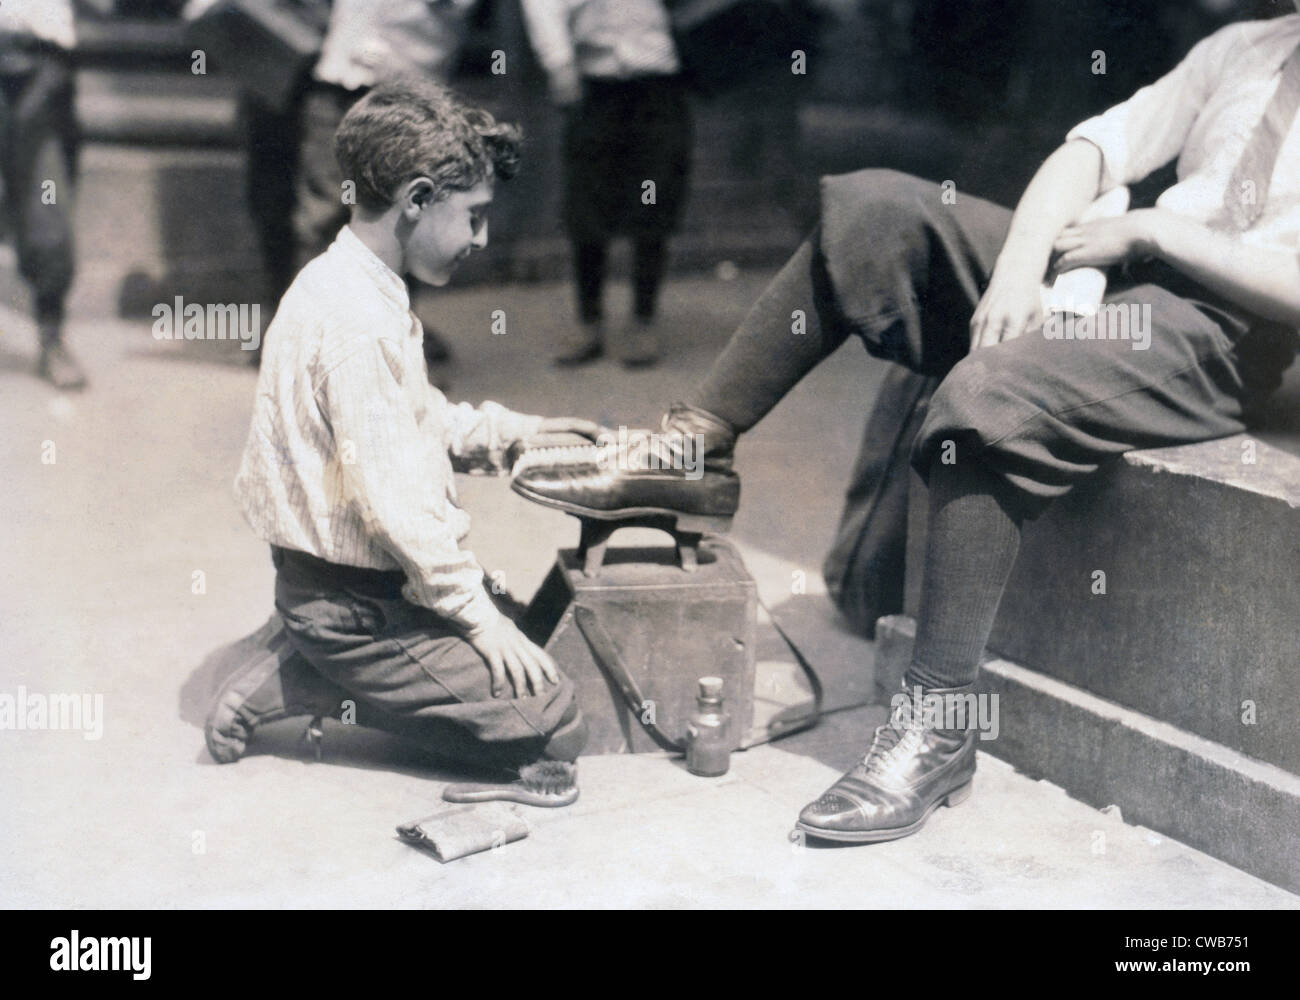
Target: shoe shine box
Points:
(667, 628)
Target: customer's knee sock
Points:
(787, 332)
(974, 534)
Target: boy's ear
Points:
(416, 194)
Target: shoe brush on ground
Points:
(547, 783)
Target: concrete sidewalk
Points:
(98, 594)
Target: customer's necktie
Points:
(1243, 201)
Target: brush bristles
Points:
(548, 777)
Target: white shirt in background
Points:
(48, 20)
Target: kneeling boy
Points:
(348, 469)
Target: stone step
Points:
(1200, 792)
(1199, 624)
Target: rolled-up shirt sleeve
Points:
(382, 469)
(479, 437)
(1150, 129)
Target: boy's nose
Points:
(480, 238)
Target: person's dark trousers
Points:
(589, 258)
(38, 151)
(319, 210)
(409, 671)
(623, 134)
(273, 138)
(894, 265)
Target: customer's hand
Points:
(506, 650)
(1010, 306)
(1104, 242)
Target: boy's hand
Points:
(572, 425)
(1010, 306)
(1104, 242)
(508, 651)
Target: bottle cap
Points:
(711, 687)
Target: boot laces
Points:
(899, 737)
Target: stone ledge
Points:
(1199, 624)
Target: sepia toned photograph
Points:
(651, 455)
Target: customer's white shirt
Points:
(1203, 113)
(348, 456)
(48, 20)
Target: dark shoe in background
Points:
(640, 345)
(583, 343)
(58, 367)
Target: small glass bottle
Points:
(708, 734)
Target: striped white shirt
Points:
(349, 457)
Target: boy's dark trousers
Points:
(408, 671)
(38, 148)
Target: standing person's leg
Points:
(649, 261)
(589, 260)
(659, 133)
(41, 166)
(1011, 428)
(589, 148)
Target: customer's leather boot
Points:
(264, 680)
(907, 773)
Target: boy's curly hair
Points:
(411, 126)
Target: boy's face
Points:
(445, 232)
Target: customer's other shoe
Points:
(907, 773)
(265, 681)
(583, 343)
(58, 367)
(640, 345)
